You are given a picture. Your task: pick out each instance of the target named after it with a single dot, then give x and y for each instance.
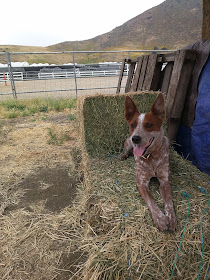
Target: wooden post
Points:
(167, 77)
(206, 20)
(177, 91)
(143, 72)
(137, 74)
(149, 76)
(130, 76)
(121, 76)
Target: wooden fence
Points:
(20, 76)
(170, 73)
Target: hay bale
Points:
(122, 239)
(104, 121)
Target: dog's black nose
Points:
(136, 139)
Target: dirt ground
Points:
(64, 87)
(39, 159)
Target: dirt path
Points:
(61, 88)
(39, 157)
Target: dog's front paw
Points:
(128, 149)
(124, 156)
(161, 221)
(172, 222)
(169, 212)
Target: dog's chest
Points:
(149, 167)
(146, 168)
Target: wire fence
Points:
(63, 74)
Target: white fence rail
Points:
(79, 74)
(20, 76)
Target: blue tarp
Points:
(195, 143)
(201, 126)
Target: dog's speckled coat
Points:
(151, 152)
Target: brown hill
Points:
(172, 24)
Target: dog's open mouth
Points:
(140, 150)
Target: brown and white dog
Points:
(151, 151)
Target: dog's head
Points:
(145, 128)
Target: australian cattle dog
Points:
(151, 151)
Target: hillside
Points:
(172, 24)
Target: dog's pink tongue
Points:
(138, 150)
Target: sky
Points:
(47, 22)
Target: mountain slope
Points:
(172, 24)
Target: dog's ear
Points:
(130, 108)
(158, 107)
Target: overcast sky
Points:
(47, 22)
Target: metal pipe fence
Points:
(68, 73)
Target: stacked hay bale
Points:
(122, 242)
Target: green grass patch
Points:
(22, 108)
(56, 139)
(12, 115)
(71, 117)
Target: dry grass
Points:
(120, 225)
(108, 223)
(35, 243)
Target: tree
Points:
(206, 20)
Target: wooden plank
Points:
(129, 61)
(130, 77)
(137, 74)
(206, 20)
(168, 57)
(175, 77)
(121, 76)
(152, 60)
(167, 77)
(183, 85)
(143, 72)
(173, 127)
(177, 90)
(157, 78)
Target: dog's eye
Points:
(148, 125)
(133, 125)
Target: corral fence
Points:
(66, 73)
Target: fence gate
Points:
(63, 72)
